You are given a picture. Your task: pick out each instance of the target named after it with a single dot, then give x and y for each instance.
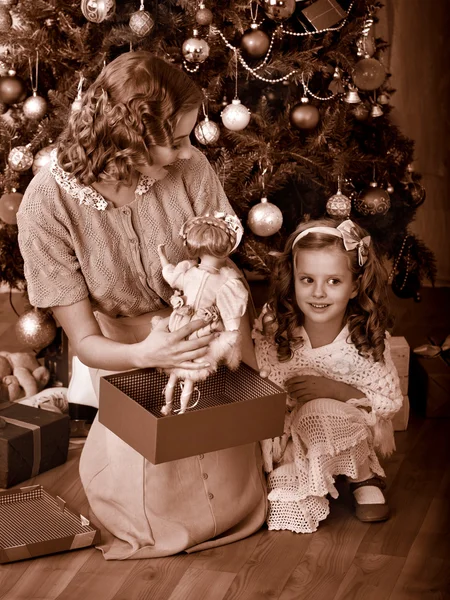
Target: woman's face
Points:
(162, 156)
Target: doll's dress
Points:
(218, 297)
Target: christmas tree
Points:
(295, 121)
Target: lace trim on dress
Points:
(86, 194)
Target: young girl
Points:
(212, 291)
(322, 336)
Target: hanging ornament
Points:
(368, 74)
(373, 201)
(35, 329)
(195, 49)
(361, 112)
(278, 10)
(376, 111)
(12, 88)
(42, 158)
(265, 218)
(235, 116)
(255, 43)
(339, 205)
(390, 188)
(203, 16)
(304, 115)
(417, 193)
(34, 107)
(207, 132)
(9, 205)
(78, 102)
(366, 43)
(141, 21)
(383, 99)
(98, 11)
(20, 158)
(5, 20)
(336, 86)
(352, 96)
(323, 14)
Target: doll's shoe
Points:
(370, 513)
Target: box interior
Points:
(146, 387)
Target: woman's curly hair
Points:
(134, 103)
(367, 314)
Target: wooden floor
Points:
(406, 558)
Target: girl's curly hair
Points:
(134, 103)
(367, 314)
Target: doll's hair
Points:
(135, 103)
(367, 314)
(208, 235)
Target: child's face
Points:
(323, 286)
(162, 156)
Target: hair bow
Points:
(352, 240)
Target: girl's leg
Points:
(168, 394)
(370, 503)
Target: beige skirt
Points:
(147, 510)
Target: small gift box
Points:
(324, 14)
(234, 408)
(35, 523)
(32, 441)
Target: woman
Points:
(123, 181)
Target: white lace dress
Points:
(325, 437)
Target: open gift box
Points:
(235, 408)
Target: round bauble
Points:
(265, 218)
(339, 205)
(12, 89)
(35, 329)
(5, 20)
(361, 112)
(235, 116)
(203, 16)
(195, 50)
(255, 43)
(42, 158)
(9, 205)
(20, 158)
(35, 107)
(279, 10)
(207, 132)
(141, 23)
(97, 11)
(373, 201)
(368, 74)
(417, 193)
(304, 116)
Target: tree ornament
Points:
(141, 21)
(366, 43)
(203, 16)
(304, 115)
(35, 329)
(361, 112)
(235, 116)
(5, 20)
(323, 14)
(20, 158)
(373, 201)
(376, 111)
(417, 193)
(35, 107)
(278, 10)
(352, 96)
(195, 49)
(9, 205)
(12, 88)
(4, 68)
(339, 205)
(390, 188)
(383, 99)
(78, 102)
(368, 74)
(207, 132)
(265, 218)
(42, 158)
(255, 43)
(97, 11)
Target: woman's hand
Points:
(167, 350)
(304, 388)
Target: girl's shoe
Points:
(370, 513)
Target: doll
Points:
(205, 288)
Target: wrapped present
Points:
(35, 523)
(324, 14)
(234, 408)
(400, 353)
(31, 441)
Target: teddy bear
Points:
(21, 375)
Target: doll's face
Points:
(162, 156)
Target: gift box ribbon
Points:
(36, 430)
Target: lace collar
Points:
(85, 194)
(342, 335)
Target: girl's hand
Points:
(304, 388)
(167, 350)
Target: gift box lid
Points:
(35, 523)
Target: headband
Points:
(347, 232)
(231, 221)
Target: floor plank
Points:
(201, 584)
